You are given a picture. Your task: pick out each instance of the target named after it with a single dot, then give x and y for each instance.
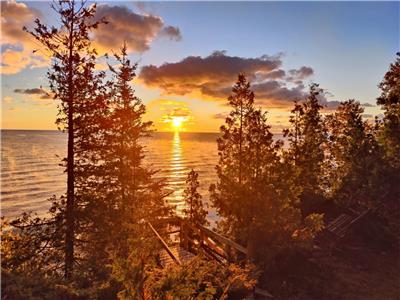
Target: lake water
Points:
(30, 171)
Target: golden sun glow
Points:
(177, 122)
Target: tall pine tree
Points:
(354, 158)
(128, 195)
(253, 195)
(307, 138)
(194, 210)
(73, 61)
(389, 139)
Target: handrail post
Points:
(164, 244)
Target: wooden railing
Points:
(165, 245)
(195, 237)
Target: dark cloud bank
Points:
(41, 93)
(136, 29)
(213, 76)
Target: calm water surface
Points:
(30, 171)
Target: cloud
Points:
(19, 48)
(276, 93)
(212, 78)
(14, 16)
(43, 94)
(277, 74)
(17, 45)
(165, 111)
(367, 105)
(182, 113)
(220, 116)
(300, 74)
(13, 61)
(210, 75)
(124, 25)
(35, 93)
(173, 33)
(329, 104)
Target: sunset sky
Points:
(189, 55)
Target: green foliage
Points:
(27, 244)
(313, 224)
(255, 194)
(74, 82)
(18, 285)
(306, 138)
(133, 271)
(354, 156)
(194, 210)
(109, 191)
(389, 134)
(266, 195)
(200, 279)
(389, 139)
(390, 85)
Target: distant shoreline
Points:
(55, 130)
(172, 132)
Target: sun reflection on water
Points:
(177, 173)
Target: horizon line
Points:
(155, 131)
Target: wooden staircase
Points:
(194, 239)
(338, 228)
(179, 253)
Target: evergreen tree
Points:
(254, 194)
(73, 62)
(390, 102)
(123, 195)
(389, 139)
(232, 195)
(307, 138)
(354, 156)
(194, 210)
(132, 191)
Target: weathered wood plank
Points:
(222, 239)
(178, 252)
(164, 244)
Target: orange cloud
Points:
(17, 45)
(212, 77)
(14, 16)
(207, 75)
(137, 30)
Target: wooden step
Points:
(178, 252)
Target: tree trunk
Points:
(240, 141)
(70, 216)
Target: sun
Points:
(177, 122)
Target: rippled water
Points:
(30, 171)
